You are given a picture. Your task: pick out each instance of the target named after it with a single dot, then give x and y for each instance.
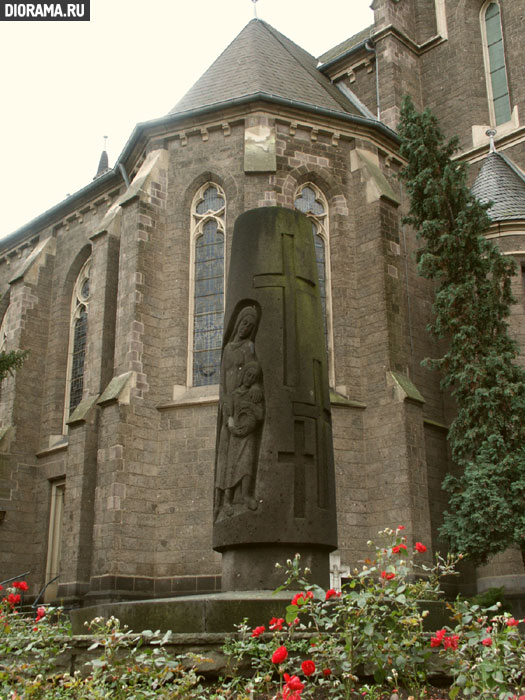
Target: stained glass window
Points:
(77, 363)
(77, 340)
(496, 68)
(208, 284)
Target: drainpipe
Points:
(369, 46)
(124, 174)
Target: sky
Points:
(66, 85)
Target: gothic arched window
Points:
(495, 68)
(311, 201)
(77, 340)
(207, 284)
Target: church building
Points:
(108, 431)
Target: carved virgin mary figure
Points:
(241, 410)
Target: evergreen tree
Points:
(472, 303)
(9, 361)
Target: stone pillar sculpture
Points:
(274, 472)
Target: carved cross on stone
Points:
(288, 278)
(290, 486)
(319, 410)
(301, 457)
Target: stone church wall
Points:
(138, 452)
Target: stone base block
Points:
(253, 568)
(217, 612)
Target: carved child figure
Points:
(248, 412)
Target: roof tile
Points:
(262, 60)
(499, 181)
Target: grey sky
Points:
(67, 84)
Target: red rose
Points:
(13, 599)
(293, 682)
(398, 548)
(258, 631)
(511, 622)
(279, 655)
(420, 547)
(331, 593)
(438, 638)
(308, 667)
(291, 694)
(21, 585)
(327, 672)
(276, 623)
(40, 613)
(487, 642)
(301, 598)
(388, 576)
(400, 527)
(451, 642)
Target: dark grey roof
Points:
(499, 181)
(346, 45)
(103, 164)
(261, 60)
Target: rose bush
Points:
(325, 646)
(374, 627)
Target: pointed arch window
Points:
(77, 340)
(311, 201)
(495, 67)
(207, 284)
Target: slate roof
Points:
(262, 60)
(502, 183)
(346, 45)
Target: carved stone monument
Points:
(274, 473)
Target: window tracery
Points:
(77, 340)
(495, 67)
(207, 284)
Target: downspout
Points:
(369, 46)
(124, 174)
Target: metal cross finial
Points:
(255, 8)
(491, 133)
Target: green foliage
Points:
(32, 653)
(366, 641)
(490, 597)
(9, 361)
(499, 669)
(374, 630)
(472, 304)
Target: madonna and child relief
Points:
(241, 413)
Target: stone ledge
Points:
(191, 396)
(119, 389)
(214, 612)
